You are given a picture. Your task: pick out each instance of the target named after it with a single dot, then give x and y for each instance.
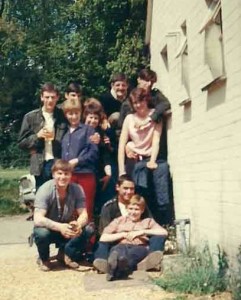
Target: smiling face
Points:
(139, 107)
(49, 100)
(134, 212)
(92, 120)
(125, 191)
(73, 117)
(120, 89)
(62, 178)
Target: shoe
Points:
(44, 266)
(60, 255)
(123, 270)
(153, 261)
(70, 263)
(101, 265)
(112, 266)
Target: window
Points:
(214, 56)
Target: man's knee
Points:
(156, 243)
(41, 234)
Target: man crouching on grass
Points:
(57, 202)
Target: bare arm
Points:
(122, 143)
(155, 146)
(112, 237)
(40, 220)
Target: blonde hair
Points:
(71, 105)
(138, 200)
(62, 165)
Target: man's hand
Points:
(95, 138)
(104, 180)
(151, 165)
(73, 162)
(130, 153)
(67, 231)
(76, 228)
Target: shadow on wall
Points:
(216, 97)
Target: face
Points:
(139, 106)
(62, 178)
(134, 212)
(146, 85)
(93, 120)
(73, 117)
(72, 95)
(125, 191)
(120, 88)
(49, 100)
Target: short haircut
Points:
(118, 77)
(94, 108)
(139, 94)
(71, 105)
(138, 200)
(148, 75)
(62, 165)
(49, 87)
(74, 87)
(123, 178)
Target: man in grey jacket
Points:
(41, 134)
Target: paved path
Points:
(21, 279)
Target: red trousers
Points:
(88, 182)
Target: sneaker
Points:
(153, 261)
(101, 265)
(70, 263)
(112, 266)
(44, 266)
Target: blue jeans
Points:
(46, 173)
(72, 247)
(133, 253)
(156, 243)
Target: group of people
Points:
(84, 152)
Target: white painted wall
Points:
(204, 152)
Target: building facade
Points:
(196, 51)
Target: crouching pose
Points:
(131, 235)
(57, 203)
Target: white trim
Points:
(213, 11)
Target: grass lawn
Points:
(9, 191)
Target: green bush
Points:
(197, 275)
(9, 195)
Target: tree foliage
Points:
(63, 40)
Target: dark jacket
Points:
(28, 140)
(77, 145)
(110, 104)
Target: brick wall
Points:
(204, 137)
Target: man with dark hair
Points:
(56, 204)
(112, 100)
(73, 91)
(41, 134)
(115, 208)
